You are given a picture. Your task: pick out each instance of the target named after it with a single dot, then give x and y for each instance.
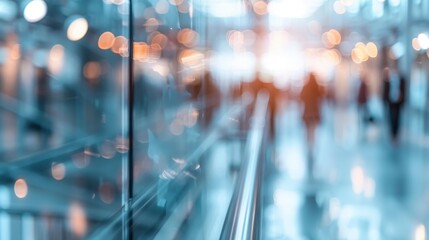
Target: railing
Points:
(141, 201)
(242, 220)
(242, 217)
(23, 167)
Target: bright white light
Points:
(221, 8)
(283, 61)
(395, 3)
(293, 8)
(233, 67)
(35, 11)
(285, 198)
(77, 29)
(420, 233)
(377, 8)
(339, 8)
(354, 8)
(423, 41)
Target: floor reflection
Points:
(364, 187)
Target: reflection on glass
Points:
(83, 158)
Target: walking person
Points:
(394, 96)
(311, 97)
(362, 101)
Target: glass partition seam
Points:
(129, 232)
(142, 199)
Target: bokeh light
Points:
(21, 188)
(371, 50)
(420, 233)
(56, 59)
(15, 52)
(339, 8)
(35, 11)
(77, 29)
(187, 37)
(107, 192)
(162, 7)
(120, 45)
(423, 41)
(260, 7)
(416, 44)
(92, 70)
(77, 219)
(58, 171)
(106, 40)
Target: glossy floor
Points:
(363, 186)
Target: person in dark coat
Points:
(394, 97)
(362, 97)
(205, 91)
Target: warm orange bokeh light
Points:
(260, 7)
(119, 44)
(77, 219)
(92, 70)
(15, 52)
(334, 37)
(58, 171)
(371, 50)
(56, 59)
(416, 44)
(159, 38)
(106, 40)
(190, 57)
(141, 50)
(187, 37)
(21, 188)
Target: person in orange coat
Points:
(311, 97)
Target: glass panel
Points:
(63, 82)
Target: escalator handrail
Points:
(241, 218)
(142, 199)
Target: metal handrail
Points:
(140, 201)
(241, 219)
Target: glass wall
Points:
(126, 119)
(63, 88)
(106, 119)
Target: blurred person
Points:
(363, 101)
(204, 90)
(394, 96)
(266, 83)
(311, 97)
(40, 123)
